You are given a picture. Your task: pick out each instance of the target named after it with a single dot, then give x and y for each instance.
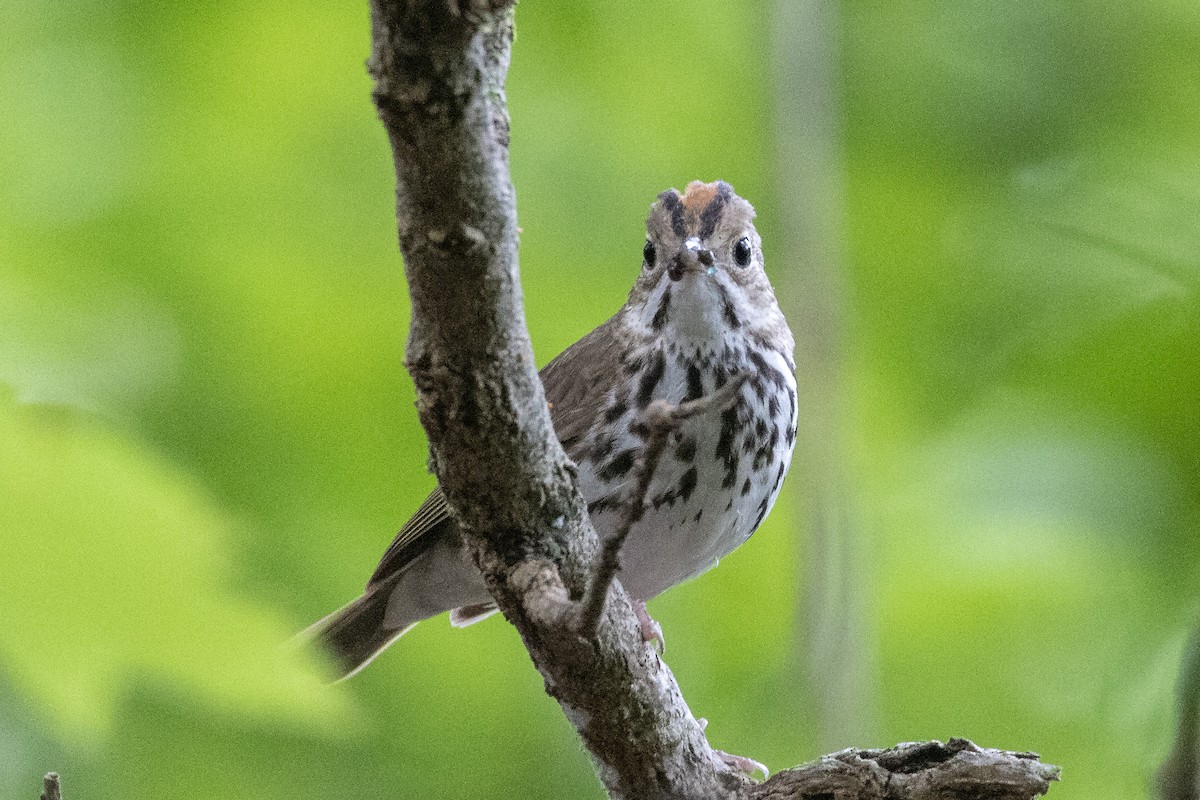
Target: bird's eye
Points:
(741, 252)
(648, 253)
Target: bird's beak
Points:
(692, 258)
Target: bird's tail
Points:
(357, 632)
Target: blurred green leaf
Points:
(119, 569)
(197, 253)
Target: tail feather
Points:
(357, 632)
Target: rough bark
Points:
(955, 770)
(439, 70)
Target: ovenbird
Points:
(701, 312)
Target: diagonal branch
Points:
(662, 419)
(439, 68)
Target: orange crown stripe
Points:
(698, 196)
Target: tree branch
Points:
(439, 68)
(956, 770)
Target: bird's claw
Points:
(746, 766)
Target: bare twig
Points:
(52, 789)
(662, 419)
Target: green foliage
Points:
(117, 567)
(207, 439)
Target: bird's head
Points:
(702, 267)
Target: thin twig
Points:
(662, 418)
(52, 789)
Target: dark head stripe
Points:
(670, 202)
(711, 214)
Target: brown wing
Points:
(576, 383)
(417, 534)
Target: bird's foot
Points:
(746, 766)
(651, 630)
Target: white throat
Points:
(694, 317)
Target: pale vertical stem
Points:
(835, 642)
(1179, 776)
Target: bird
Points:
(701, 313)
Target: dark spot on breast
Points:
(687, 484)
(766, 370)
(650, 379)
(727, 310)
(779, 476)
(616, 410)
(790, 436)
(606, 503)
(762, 512)
(699, 514)
(621, 463)
(660, 316)
(686, 451)
(720, 376)
(639, 428)
(725, 449)
(695, 383)
(767, 450)
(632, 364)
(761, 458)
(602, 448)
(760, 427)
(773, 406)
(746, 487)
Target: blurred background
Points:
(982, 218)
